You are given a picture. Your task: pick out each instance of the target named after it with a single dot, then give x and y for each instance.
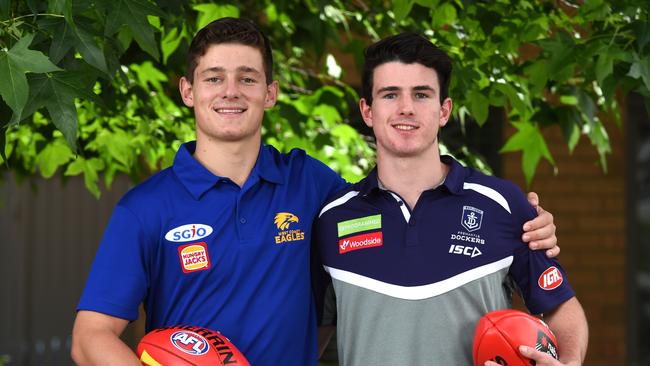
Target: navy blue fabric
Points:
(256, 289)
(422, 250)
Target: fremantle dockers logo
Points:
(472, 218)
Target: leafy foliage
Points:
(90, 86)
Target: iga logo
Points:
(188, 232)
(190, 342)
(550, 279)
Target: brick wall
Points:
(589, 210)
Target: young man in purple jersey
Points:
(422, 247)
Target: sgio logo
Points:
(464, 250)
(188, 232)
(190, 342)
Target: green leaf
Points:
(444, 14)
(401, 8)
(53, 156)
(14, 63)
(530, 141)
(170, 42)
(89, 168)
(57, 93)
(642, 32)
(147, 73)
(89, 48)
(62, 37)
(641, 69)
(600, 139)
(538, 76)
(209, 12)
(4, 8)
(134, 14)
(604, 66)
(478, 105)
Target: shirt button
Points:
(242, 220)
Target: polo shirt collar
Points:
(198, 179)
(453, 182)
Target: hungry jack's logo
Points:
(283, 220)
(194, 257)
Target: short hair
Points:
(230, 30)
(408, 48)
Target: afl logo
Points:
(190, 342)
(188, 232)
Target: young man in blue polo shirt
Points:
(423, 247)
(222, 238)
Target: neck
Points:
(410, 176)
(234, 160)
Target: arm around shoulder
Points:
(96, 340)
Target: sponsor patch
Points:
(465, 250)
(283, 221)
(550, 279)
(194, 257)
(189, 232)
(190, 342)
(472, 218)
(546, 345)
(362, 241)
(357, 225)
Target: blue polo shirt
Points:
(411, 284)
(197, 249)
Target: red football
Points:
(499, 334)
(188, 345)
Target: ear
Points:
(271, 94)
(445, 111)
(185, 88)
(366, 112)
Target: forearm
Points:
(95, 342)
(104, 349)
(569, 324)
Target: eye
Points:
(389, 96)
(421, 95)
(248, 80)
(213, 79)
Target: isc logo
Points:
(188, 232)
(550, 279)
(190, 342)
(468, 251)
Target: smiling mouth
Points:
(229, 110)
(405, 127)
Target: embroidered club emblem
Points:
(472, 218)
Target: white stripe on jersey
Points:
(423, 291)
(488, 192)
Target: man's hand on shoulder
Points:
(539, 233)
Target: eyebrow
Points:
(240, 69)
(397, 88)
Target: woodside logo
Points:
(363, 241)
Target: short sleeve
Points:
(117, 281)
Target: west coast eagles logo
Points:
(283, 220)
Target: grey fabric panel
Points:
(376, 329)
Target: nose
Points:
(231, 89)
(406, 106)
